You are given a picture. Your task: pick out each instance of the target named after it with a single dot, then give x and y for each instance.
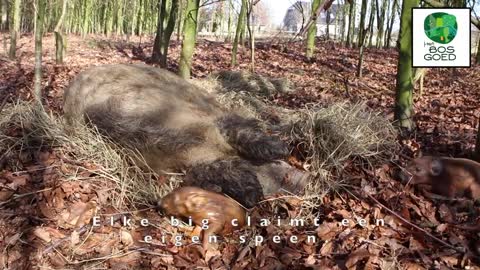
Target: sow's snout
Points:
(280, 176)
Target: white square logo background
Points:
(461, 42)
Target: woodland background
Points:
(328, 51)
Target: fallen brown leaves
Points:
(46, 218)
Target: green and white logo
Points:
(441, 27)
(441, 37)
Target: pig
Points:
(177, 126)
(449, 177)
(223, 214)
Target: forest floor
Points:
(447, 114)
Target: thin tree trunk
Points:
(351, 23)
(387, 25)
(478, 50)
(361, 27)
(167, 35)
(40, 14)
(180, 19)
(392, 19)
(240, 26)
(3, 14)
(477, 146)
(3, 23)
(86, 17)
(312, 31)
(362, 35)
(371, 21)
(251, 34)
(189, 38)
(59, 39)
(229, 24)
(327, 31)
(381, 23)
(343, 23)
(404, 91)
(157, 50)
(15, 29)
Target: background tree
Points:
(371, 21)
(477, 146)
(3, 22)
(351, 24)
(381, 13)
(240, 29)
(478, 50)
(250, 26)
(390, 24)
(39, 19)
(59, 39)
(189, 38)
(404, 89)
(361, 27)
(165, 27)
(361, 37)
(312, 30)
(15, 28)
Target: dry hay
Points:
(344, 132)
(131, 184)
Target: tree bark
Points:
(361, 27)
(167, 35)
(404, 89)
(371, 21)
(478, 51)
(392, 19)
(189, 38)
(157, 50)
(381, 23)
(3, 15)
(15, 29)
(477, 146)
(40, 14)
(312, 31)
(351, 24)
(251, 34)
(361, 40)
(238, 32)
(59, 39)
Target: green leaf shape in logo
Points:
(441, 27)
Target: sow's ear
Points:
(436, 167)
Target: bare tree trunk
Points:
(392, 20)
(189, 38)
(167, 35)
(157, 51)
(40, 14)
(3, 23)
(251, 34)
(371, 22)
(312, 31)
(361, 37)
(15, 29)
(477, 146)
(404, 90)
(351, 24)
(478, 51)
(240, 26)
(59, 39)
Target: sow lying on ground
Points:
(176, 125)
